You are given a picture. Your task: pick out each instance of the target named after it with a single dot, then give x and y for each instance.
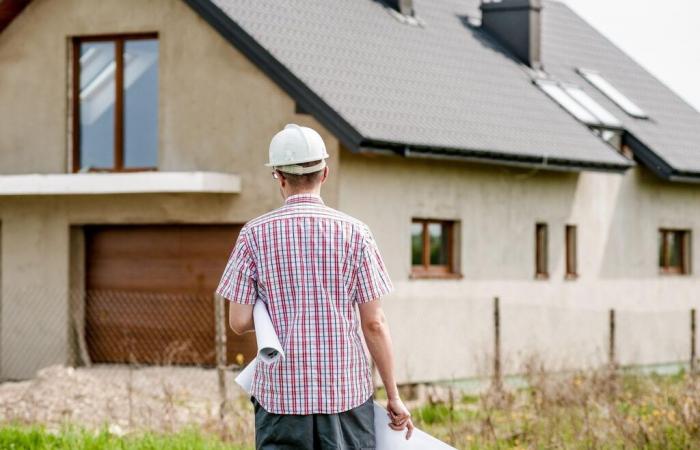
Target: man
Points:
(312, 265)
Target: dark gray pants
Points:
(348, 430)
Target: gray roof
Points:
(444, 87)
(672, 132)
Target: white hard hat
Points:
(296, 145)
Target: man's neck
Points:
(316, 192)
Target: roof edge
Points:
(657, 164)
(9, 10)
(283, 77)
(492, 157)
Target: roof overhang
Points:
(307, 99)
(491, 157)
(120, 183)
(350, 137)
(658, 165)
(9, 9)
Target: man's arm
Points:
(240, 318)
(238, 285)
(378, 339)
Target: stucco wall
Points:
(444, 328)
(217, 112)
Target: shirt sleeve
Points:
(239, 281)
(373, 280)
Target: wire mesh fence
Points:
(166, 360)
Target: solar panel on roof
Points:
(610, 91)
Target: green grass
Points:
(580, 411)
(70, 438)
(586, 411)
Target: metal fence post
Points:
(692, 340)
(497, 376)
(611, 339)
(220, 319)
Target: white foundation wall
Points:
(444, 329)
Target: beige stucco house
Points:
(499, 150)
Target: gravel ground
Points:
(162, 399)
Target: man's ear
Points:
(325, 174)
(282, 179)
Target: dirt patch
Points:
(162, 399)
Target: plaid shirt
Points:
(310, 264)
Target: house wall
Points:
(443, 329)
(217, 112)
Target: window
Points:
(604, 117)
(541, 270)
(115, 103)
(615, 139)
(674, 251)
(579, 104)
(432, 248)
(612, 93)
(571, 263)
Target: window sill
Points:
(673, 273)
(435, 276)
(120, 183)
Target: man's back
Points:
(310, 264)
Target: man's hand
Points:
(378, 341)
(399, 416)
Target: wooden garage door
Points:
(149, 294)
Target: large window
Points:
(115, 103)
(674, 251)
(432, 248)
(541, 250)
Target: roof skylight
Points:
(602, 114)
(610, 91)
(558, 95)
(579, 104)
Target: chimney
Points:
(405, 7)
(517, 24)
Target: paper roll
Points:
(269, 347)
(245, 377)
(388, 439)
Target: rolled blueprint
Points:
(269, 347)
(245, 377)
(387, 439)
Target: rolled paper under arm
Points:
(269, 347)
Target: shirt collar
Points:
(303, 198)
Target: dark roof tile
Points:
(445, 85)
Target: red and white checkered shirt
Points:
(310, 264)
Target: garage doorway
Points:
(149, 294)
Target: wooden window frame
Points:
(541, 252)
(427, 270)
(686, 253)
(571, 248)
(118, 40)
